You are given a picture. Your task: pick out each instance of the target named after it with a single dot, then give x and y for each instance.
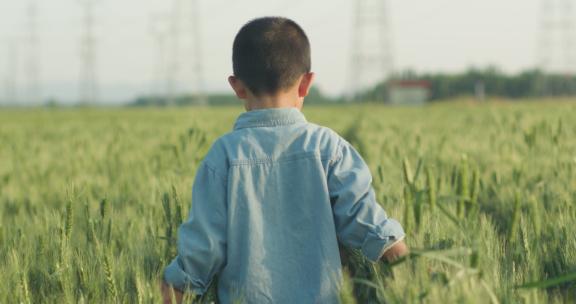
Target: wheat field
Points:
(90, 199)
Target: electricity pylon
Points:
(557, 49)
(88, 89)
(184, 73)
(371, 56)
(34, 94)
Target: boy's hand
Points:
(167, 292)
(395, 252)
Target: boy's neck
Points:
(287, 99)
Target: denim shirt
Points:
(270, 202)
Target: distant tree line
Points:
(443, 86)
(532, 83)
(492, 82)
(315, 96)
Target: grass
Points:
(90, 199)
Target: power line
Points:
(173, 65)
(371, 60)
(159, 32)
(88, 88)
(197, 77)
(34, 94)
(184, 37)
(11, 77)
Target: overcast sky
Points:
(432, 35)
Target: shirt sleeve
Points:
(361, 223)
(202, 238)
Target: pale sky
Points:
(431, 35)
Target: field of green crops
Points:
(90, 199)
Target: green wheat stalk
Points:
(25, 289)
(513, 229)
(431, 189)
(110, 283)
(463, 190)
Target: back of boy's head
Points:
(270, 54)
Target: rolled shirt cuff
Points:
(175, 276)
(376, 244)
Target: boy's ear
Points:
(238, 87)
(305, 84)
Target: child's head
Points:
(271, 56)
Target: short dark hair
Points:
(270, 53)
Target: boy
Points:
(273, 198)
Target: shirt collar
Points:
(269, 118)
